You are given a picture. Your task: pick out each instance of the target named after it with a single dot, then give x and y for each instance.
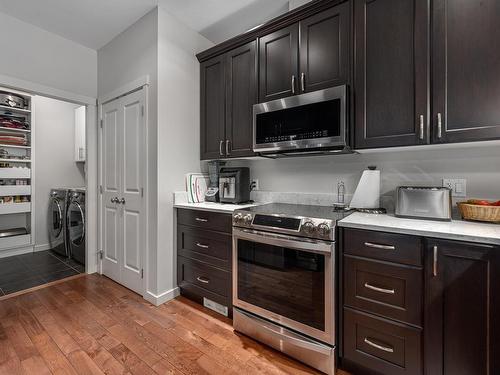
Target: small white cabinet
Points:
(80, 148)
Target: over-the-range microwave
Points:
(312, 123)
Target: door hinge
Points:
(142, 110)
(100, 254)
(142, 273)
(142, 192)
(100, 189)
(101, 123)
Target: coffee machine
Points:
(234, 185)
(212, 193)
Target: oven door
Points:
(288, 280)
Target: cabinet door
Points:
(462, 309)
(391, 73)
(466, 70)
(324, 49)
(212, 108)
(278, 64)
(241, 95)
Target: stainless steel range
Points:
(284, 279)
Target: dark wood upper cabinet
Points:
(391, 73)
(241, 95)
(462, 323)
(466, 70)
(324, 49)
(212, 108)
(279, 64)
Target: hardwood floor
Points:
(92, 325)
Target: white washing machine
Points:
(75, 223)
(57, 221)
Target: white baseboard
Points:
(42, 247)
(18, 251)
(160, 299)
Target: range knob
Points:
(237, 218)
(308, 227)
(247, 219)
(323, 229)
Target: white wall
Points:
(54, 157)
(297, 3)
(178, 129)
(35, 55)
(479, 165)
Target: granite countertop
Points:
(453, 230)
(214, 207)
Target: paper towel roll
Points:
(367, 194)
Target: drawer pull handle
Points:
(201, 220)
(378, 246)
(201, 245)
(381, 290)
(435, 261)
(387, 349)
(203, 280)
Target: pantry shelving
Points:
(16, 174)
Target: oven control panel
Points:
(304, 227)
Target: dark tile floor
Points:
(25, 271)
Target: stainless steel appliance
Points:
(424, 202)
(75, 222)
(284, 279)
(234, 185)
(57, 221)
(212, 193)
(314, 122)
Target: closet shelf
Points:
(15, 241)
(8, 173)
(12, 190)
(14, 208)
(14, 146)
(15, 160)
(6, 129)
(6, 108)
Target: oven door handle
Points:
(298, 243)
(280, 334)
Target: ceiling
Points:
(93, 23)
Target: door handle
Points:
(435, 261)
(220, 148)
(293, 84)
(114, 200)
(440, 125)
(203, 280)
(381, 290)
(122, 201)
(387, 349)
(303, 82)
(421, 127)
(378, 246)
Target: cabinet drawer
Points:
(382, 346)
(210, 247)
(392, 247)
(384, 289)
(205, 220)
(203, 276)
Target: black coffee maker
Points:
(234, 185)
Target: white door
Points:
(122, 203)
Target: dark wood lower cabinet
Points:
(462, 320)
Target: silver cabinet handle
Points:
(378, 246)
(293, 84)
(228, 151)
(435, 261)
(220, 148)
(440, 125)
(122, 201)
(202, 246)
(203, 280)
(421, 127)
(199, 219)
(114, 200)
(387, 349)
(381, 290)
(303, 82)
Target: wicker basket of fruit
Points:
(480, 210)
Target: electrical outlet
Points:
(255, 184)
(458, 186)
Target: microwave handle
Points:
(303, 244)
